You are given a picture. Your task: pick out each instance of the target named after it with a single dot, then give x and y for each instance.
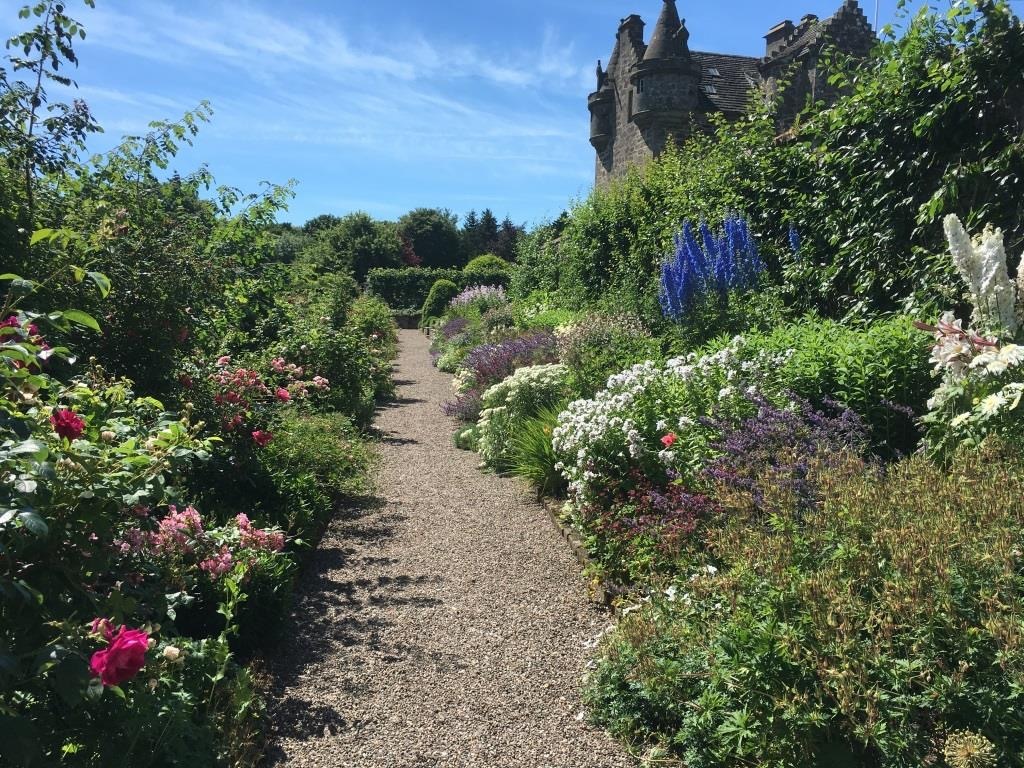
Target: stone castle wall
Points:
(628, 146)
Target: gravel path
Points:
(445, 625)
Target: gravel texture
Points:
(446, 624)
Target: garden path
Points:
(444, 624)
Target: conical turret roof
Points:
(670, 36)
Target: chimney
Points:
(777, 37)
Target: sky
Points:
(384, 108)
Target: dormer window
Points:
(709, 89)
(713, 71)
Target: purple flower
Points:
(777, 446)
(491, 363)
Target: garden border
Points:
(602, 591)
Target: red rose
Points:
(261, 438)
(67, 423)
(122, 659)
(669, 440)
(283, 394)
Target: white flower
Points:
(982, 264)
(959, 420)
(991, 405)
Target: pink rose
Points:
(225, 360)
(67, 423)
(102, 628)
(122, 659)
(283, 394)
(669, 440)
(261, 438)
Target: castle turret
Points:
(602, 111)
(665, 81)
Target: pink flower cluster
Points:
(257, 538)
(241, 390)
(219, 563)
(180, 537)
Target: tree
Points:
(356, 244)
(319, 223)
(434, 236)
(30, 142)
(507, 242)
(488, 232)
(470, 236)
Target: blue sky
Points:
(385, 107)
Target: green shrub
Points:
(487, 270)
(372, 320)
(344, 358)
(313, 461)
(598, 346)
(488, 262)
(878, 371)
(534, 457)
(861, 631)
(441, 294)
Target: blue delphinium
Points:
(794, 239)
(709, 266)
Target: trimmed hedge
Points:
(440, 296)
(405, 290)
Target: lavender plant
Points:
(489, 364)
(483, 296)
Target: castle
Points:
(651, 93)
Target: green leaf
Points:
(102, 282)
(34, 523)
(10, 276)
(36, 448)
(41, 234)
(82, 318)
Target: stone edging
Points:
(602, 591)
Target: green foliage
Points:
(406, 289)
(931, 126)
(598, 346)
(434, 237)
(312, 463)
(437, 301)
(488, 262)
(859, 632)
(878, 371)
(487, 270)
(534, 457)
(355, 244)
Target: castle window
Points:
(709, 89)
(640, 86)
(714, 72)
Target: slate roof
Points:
(736, 76)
